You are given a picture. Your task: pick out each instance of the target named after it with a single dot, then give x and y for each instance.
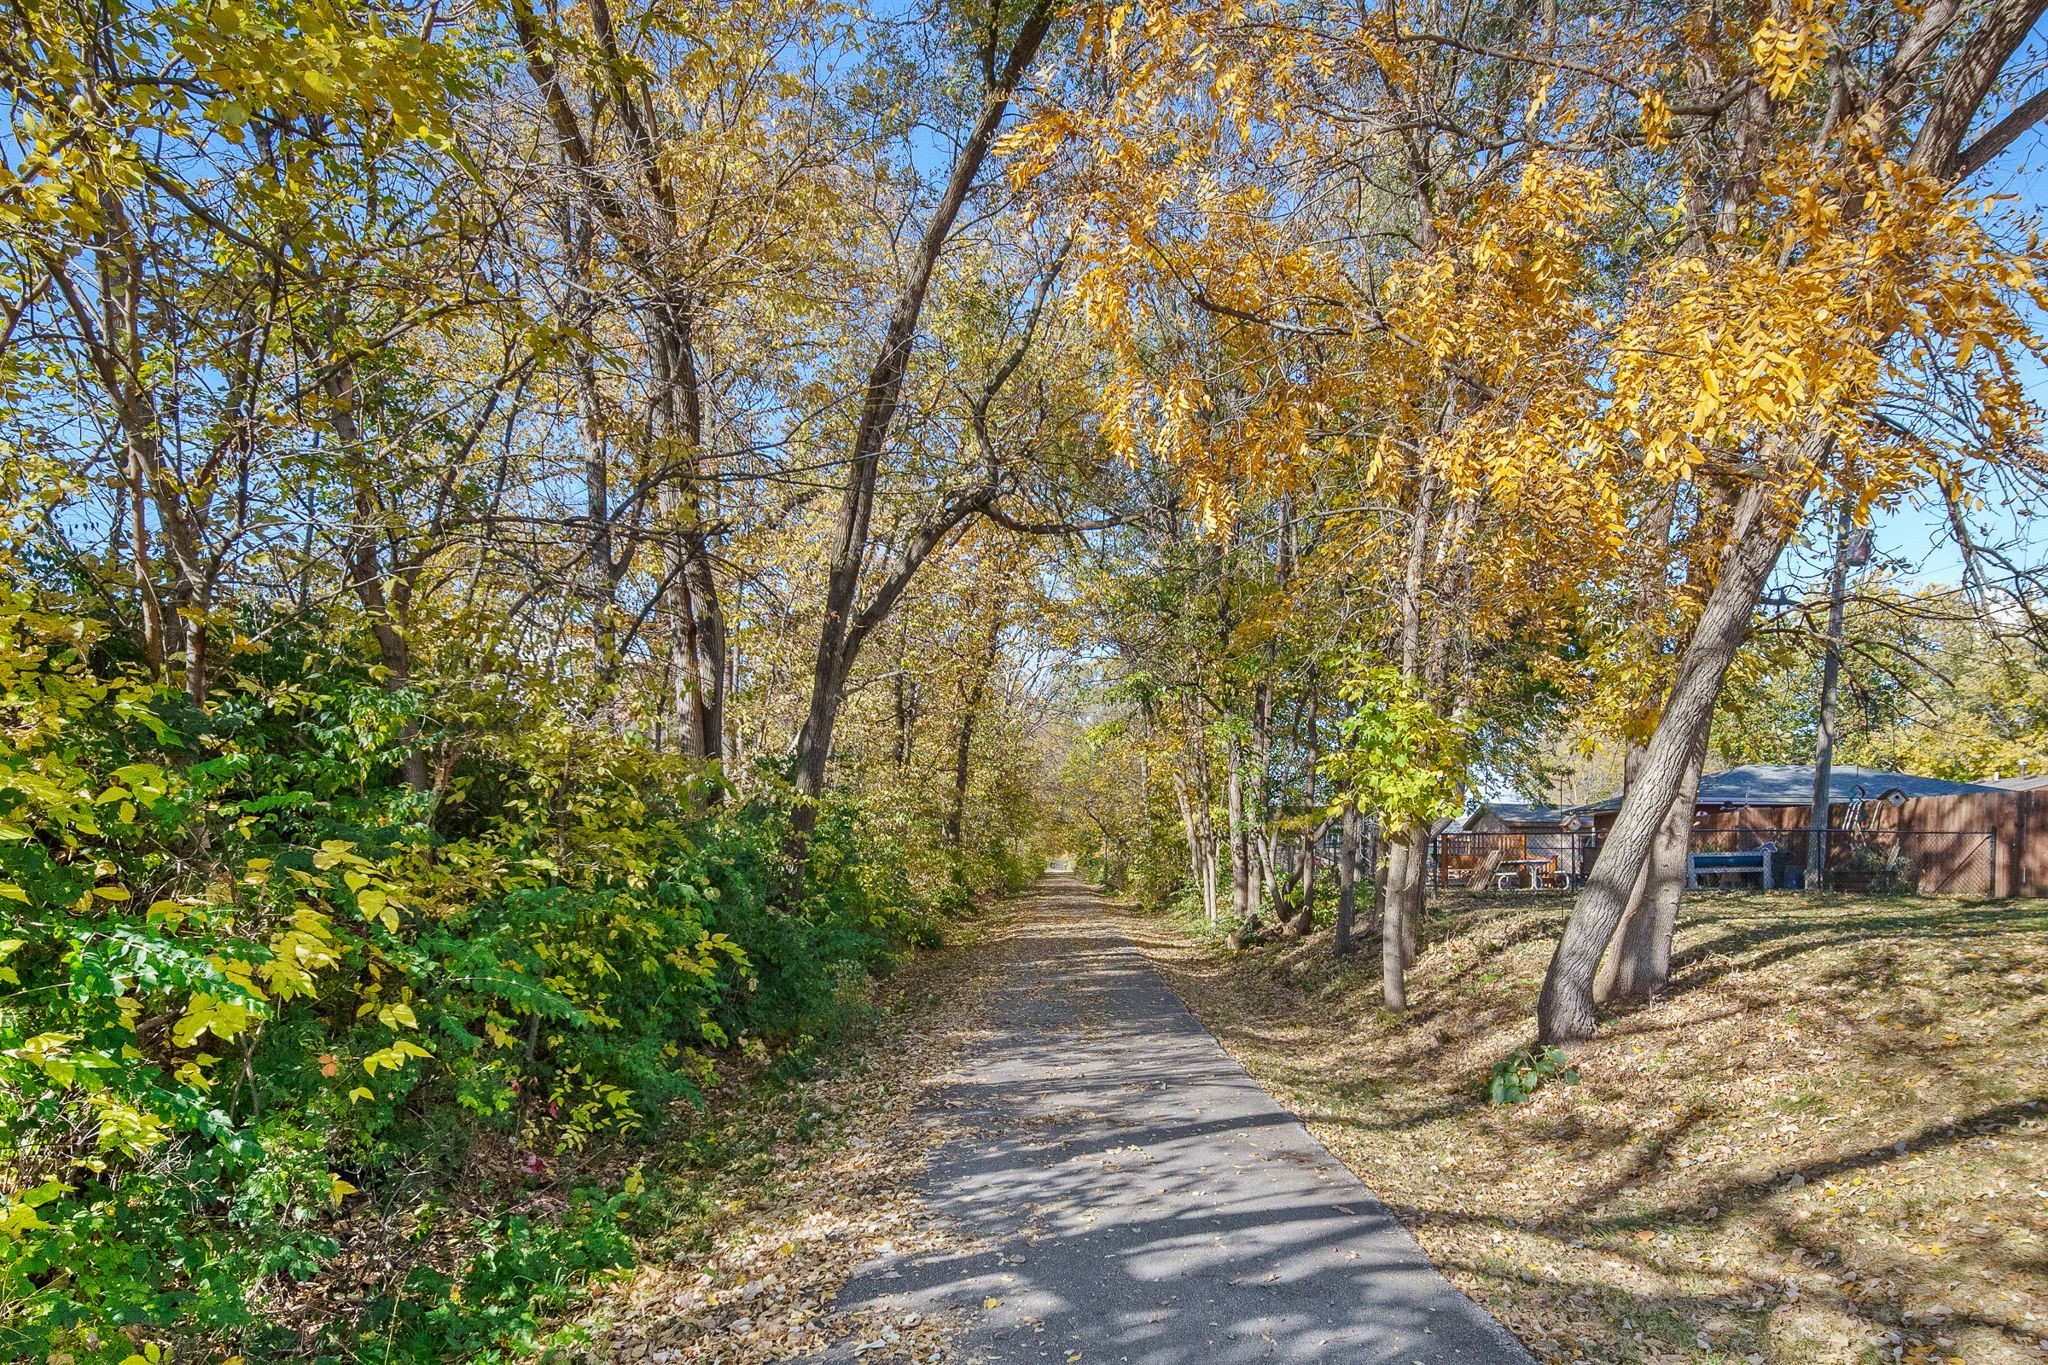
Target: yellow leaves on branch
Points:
(304, 946)
(107, 93)
(1509, 282)
(1787, 51)
(1730, 351)
(125, 1128)
(1247, 339)
(1657, 119)
(393, 1057)
(1178, 176)
(224, 1019)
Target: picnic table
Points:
(1520, 872)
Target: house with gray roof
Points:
(1765, 785)
(1517, 817)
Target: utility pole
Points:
(1852, 549)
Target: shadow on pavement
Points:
(1133, 1196)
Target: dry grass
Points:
(1828, 1143)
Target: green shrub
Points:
(501, 1302)
(1520, 1074)
(249, 971)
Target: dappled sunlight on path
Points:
(1134, 1196)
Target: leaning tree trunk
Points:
(1564, 1011)
(1645, 963)
(1603, 983)
(837, 641)
(1639, 959)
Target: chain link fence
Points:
(1884, 862)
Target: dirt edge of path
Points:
(758, 1278)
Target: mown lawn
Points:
(1828, 1143)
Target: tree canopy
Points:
(544, 540)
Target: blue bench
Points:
(1762, 861)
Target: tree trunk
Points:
(1192, 795)
(197, 658)
(603, 570)
(365, 567)
(905, 698)
(1240, 843)
(1639, 959)
(1401, 895)
(1565, 1008)
(689, 592)
(1656, 599)
(1308, 882)
(1393, 969)
(394, 651)
(1644, 968)
(686, 669)
(708, 617)
(1603, 984)
(883, 392)
(1347, 881)
(1824, 735)
(1187, 826)
(687, 597)
(1308, 843)
(970, 707)
(1407, 859)
(1211, 899)
(154, 647)
(1414, 891)
(1271, 890)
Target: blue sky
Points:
(1916, 536)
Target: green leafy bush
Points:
(501, 1302)
(251, 977)
(1520, 1074)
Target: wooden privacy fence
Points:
(1880, 861)
(1988, 843)
(1874, 858)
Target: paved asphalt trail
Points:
(1134, 1196)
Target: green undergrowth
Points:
(300, 1062)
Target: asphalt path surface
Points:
(1128, 1194)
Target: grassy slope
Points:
(1828, 1143)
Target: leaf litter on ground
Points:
(756, 1276)
(1827, 1143)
